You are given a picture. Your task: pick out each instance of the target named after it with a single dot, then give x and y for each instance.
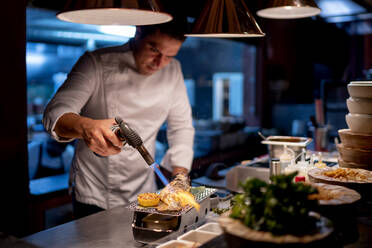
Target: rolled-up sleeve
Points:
(73, 94)
(180, 131)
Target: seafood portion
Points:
(176, 195)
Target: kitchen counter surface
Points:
(112, 229)
(109, 229)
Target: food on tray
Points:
(181, 181)
(176, 199)
(346, 174)
(176, 195)
(148, 199)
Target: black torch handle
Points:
(134, 140)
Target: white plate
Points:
(176, 243)
(368, 83)
(199, 237)
(211, 227)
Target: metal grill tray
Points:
(199, 197)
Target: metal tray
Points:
(199, 197)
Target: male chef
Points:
(142, 83)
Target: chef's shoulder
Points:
(109, 54)
(173, 68)
(112, 51)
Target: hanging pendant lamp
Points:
(289, 9)
(114, 12)
(226, 19)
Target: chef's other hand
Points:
(181, 181)
(180, 178)
(179, 170)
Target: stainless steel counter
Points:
(110, 228)
(107, 229)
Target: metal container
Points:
(241, 172)
(146, 229)
(275, 167)
(277, 144)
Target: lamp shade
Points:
(226, 19)
(289, 9)
(114, 12)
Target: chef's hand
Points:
(97, 134)
(179, 170)
(180, 174)
(99, 137)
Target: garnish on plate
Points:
(281, 207)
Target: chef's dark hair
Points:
(174, 29)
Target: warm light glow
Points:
(225, 19)
(288, 12)
(289, 9)
(114, 16)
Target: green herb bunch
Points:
(281, 207)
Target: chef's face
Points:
(154, 51)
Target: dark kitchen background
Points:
(236, 87)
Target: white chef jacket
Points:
(104, 84)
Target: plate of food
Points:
(277, 214)
(357, 179)
(334, 202)
(340, 176)
(329, 194)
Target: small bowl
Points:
(211, 227)
(344, 164)
(355, 140)
(359, 105)
(198, 237)
(359, 123)
(355, 155)
(361, 89)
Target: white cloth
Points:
(104, 84)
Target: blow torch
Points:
(133, 139)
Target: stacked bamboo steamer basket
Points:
(356, 142)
